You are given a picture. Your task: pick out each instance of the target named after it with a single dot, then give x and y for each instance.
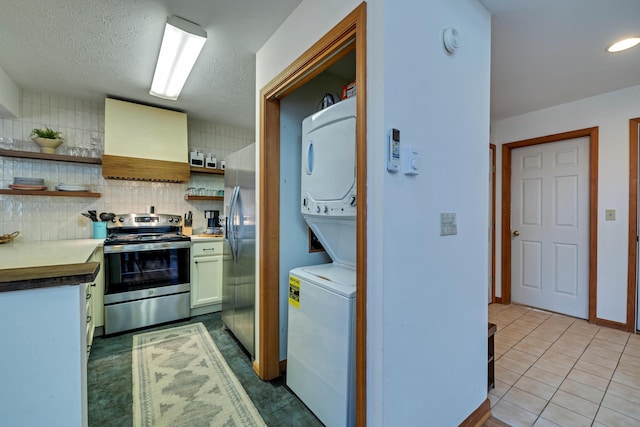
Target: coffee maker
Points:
(213, 222)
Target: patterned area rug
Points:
(181, 379)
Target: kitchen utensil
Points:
(94, 216)
(5, 238)
(104, 216)
(87, 215)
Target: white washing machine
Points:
(321, 344)
(321, 335)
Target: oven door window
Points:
(130, 271)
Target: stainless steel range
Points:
(147, 279)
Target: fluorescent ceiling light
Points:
(181, 45)
(624, 44)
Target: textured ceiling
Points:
(544, 52)
(549, 52)
(93, 48)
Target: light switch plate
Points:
(448, 226)
(610, 215)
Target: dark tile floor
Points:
(110, 390)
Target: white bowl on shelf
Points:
(47, 145)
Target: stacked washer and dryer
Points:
(321, 335)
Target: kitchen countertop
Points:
(29, 265)
(196, 238)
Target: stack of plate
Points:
(72, 187)
(27, 184)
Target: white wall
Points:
(426, 306)
(54, 218)
(9, 96)
(611, 113)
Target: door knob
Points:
(516, 233)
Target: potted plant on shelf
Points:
(48, 139)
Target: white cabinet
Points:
(206, 276)
(98, 289)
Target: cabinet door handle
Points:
(88, 319)
(208, 249)
(88, 296)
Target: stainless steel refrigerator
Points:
(238, 286)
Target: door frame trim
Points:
(592, 133)
(632, 263)
(492, 150)
(348, 34)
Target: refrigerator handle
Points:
(231, 229)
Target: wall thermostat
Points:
(393, 150)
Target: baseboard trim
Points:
(612, 324)
(479, 416)
(283, 366)
(498, 300)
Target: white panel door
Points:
(550, 226)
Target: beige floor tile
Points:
(609, 418)
(544, 344)
(564, 417)
(630, 350)
(521, 356)
(551, 366)
(575, 403)
(582, 390)
(532, 349)
(504, 340)
(517, 366)
(535, 387)
(513, 415)
(546, 334)
(501, 348)
(493, 399)
(525, 400)
(607, 353)
(607, 345)
(542, 422)
(622, 376)
(618, 404)
(514, 333)
(634, 341)
(592, 355)
(574, 340)
(538, 313)
(500, 388)
(588, 379)
(505, 375)
(630, 360)
(584, 329)
(613, 335)
(594, 369)
(549, 378)
(559, 358)
(624, 391)
(628, 369)
(567, 350)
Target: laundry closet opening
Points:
(336, 49)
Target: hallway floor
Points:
(110, 390)
(555, 370)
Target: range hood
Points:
(144, 143)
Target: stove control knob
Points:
(121, 219)
(170, 219)
(113, 220)
(326, 209)
(352, 201)
(176, 219)
(318, 209)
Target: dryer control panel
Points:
(340, 208)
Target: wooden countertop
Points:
(17, 279)
(32, 265)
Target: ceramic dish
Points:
(27, 187)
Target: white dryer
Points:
(321, 335)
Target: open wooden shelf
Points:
(191, 198)
(207, 170)
(50, 193)
(46, 156)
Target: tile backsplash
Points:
(81, 123)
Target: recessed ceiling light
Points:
(624, 44)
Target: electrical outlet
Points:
(448, 226)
